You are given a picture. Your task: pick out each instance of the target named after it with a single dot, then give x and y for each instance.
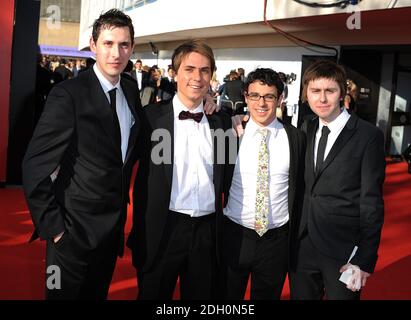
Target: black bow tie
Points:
(188, 115)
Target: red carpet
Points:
(22, 272)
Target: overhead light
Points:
(154, 49)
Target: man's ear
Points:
(92, 45)
(280, 100)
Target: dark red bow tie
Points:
(188, 115)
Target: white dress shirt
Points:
(335, 127)
(192, 190)
(241, 202)
(125, 117)
(139, 77)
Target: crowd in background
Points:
(157, 84)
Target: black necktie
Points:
(188, 115)
(321, 148)
(117, 133)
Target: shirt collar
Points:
(179, 106)
(338, 123)
(107, 86)
(273, 127)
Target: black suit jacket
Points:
(234, 89)
(343, 202)
(152, 187)
(297, 145)
(76, 133)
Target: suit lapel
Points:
(131, 98)
(166, 121)
(293, 145)
(339, 144)
(311, 131)
(215, 123)
(231, 166)
(103, 111)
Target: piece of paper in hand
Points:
(347, 274)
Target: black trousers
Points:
(75, 273)
(317, 276)
(245, 253)
(188, 251)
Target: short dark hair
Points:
(326, 69)
(265, 76)
(194, 45)
(112, 18)
(129, 66)
(138, 61)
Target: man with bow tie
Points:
(177, 201)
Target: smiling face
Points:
(261, 111)
(193, 78)
(113, 49)
(324, 96)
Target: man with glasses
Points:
(265, 196)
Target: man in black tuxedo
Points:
(178, 188)
(261, 217)
(142, 77)
(85, 140)
(343, 203)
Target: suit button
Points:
(314, 195)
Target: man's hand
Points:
(237, 122)
(58, 237)
(210, 106)
(358, 278)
